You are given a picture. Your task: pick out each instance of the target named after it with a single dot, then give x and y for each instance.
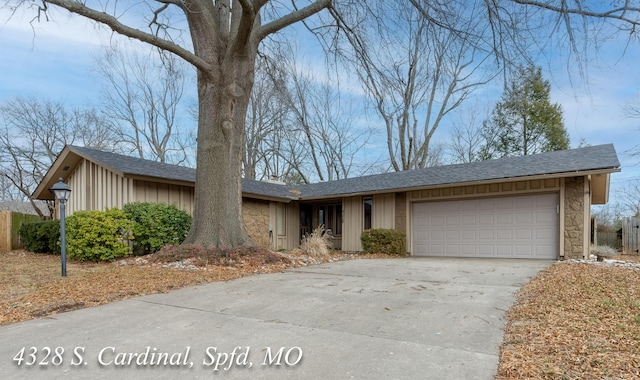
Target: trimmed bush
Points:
(390, 242)
(156, 225)
(41, 237)
(99, 235)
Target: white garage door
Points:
(522, 226)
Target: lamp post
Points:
(62, 191)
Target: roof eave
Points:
(579, 173)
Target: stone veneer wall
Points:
(574, 209)
(255, 215)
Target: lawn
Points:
(571, 321)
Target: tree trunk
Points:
(223, 101)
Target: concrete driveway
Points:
(427, 318)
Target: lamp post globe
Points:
(62, 192)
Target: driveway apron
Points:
(409, 318)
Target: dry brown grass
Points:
(318, 243)
(31, 285)
(574, 321)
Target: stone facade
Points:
(255, 214)
(574, 209)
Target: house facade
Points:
(534, 206)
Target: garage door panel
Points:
(504, 234)
(486, 250)
(542, 218)
(469, 235)
(524, 218)
(436, 221)
(486, 220)
(522, 234)
(486, 234)
(469, 220)
(469, 249)
(524, 250)
(504, 219)
(522, 226)
(504, 250)
(546, 233)
(452, 235)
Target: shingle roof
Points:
(141, 167)
(566, 161)
(601, 157)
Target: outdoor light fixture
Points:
(62, 191)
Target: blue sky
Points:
(53, 60)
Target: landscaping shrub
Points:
(318, 243)
(390, 242)
(41, 237)
(156, 225)
(98, 235)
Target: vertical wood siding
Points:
(384, 211)
(95, 187)
(353, 223)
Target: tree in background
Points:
(632, 110)
(142, 99)
(266, 117)
(465, 141)
(322, 139)
(631, 196)
(33, 133)
(415, 69)
(524, 121)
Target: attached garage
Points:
(504, 227)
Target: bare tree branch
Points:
(120, 28)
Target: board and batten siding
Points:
(382, 216)
(352, 220)
(95, 187)
(156, 192)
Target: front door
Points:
(330, 215)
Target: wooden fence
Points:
(10, 223)
(631, 236)
(610, 239)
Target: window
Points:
(368, 206)
(281, 219)
(330, 216)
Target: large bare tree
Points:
(223, 44)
